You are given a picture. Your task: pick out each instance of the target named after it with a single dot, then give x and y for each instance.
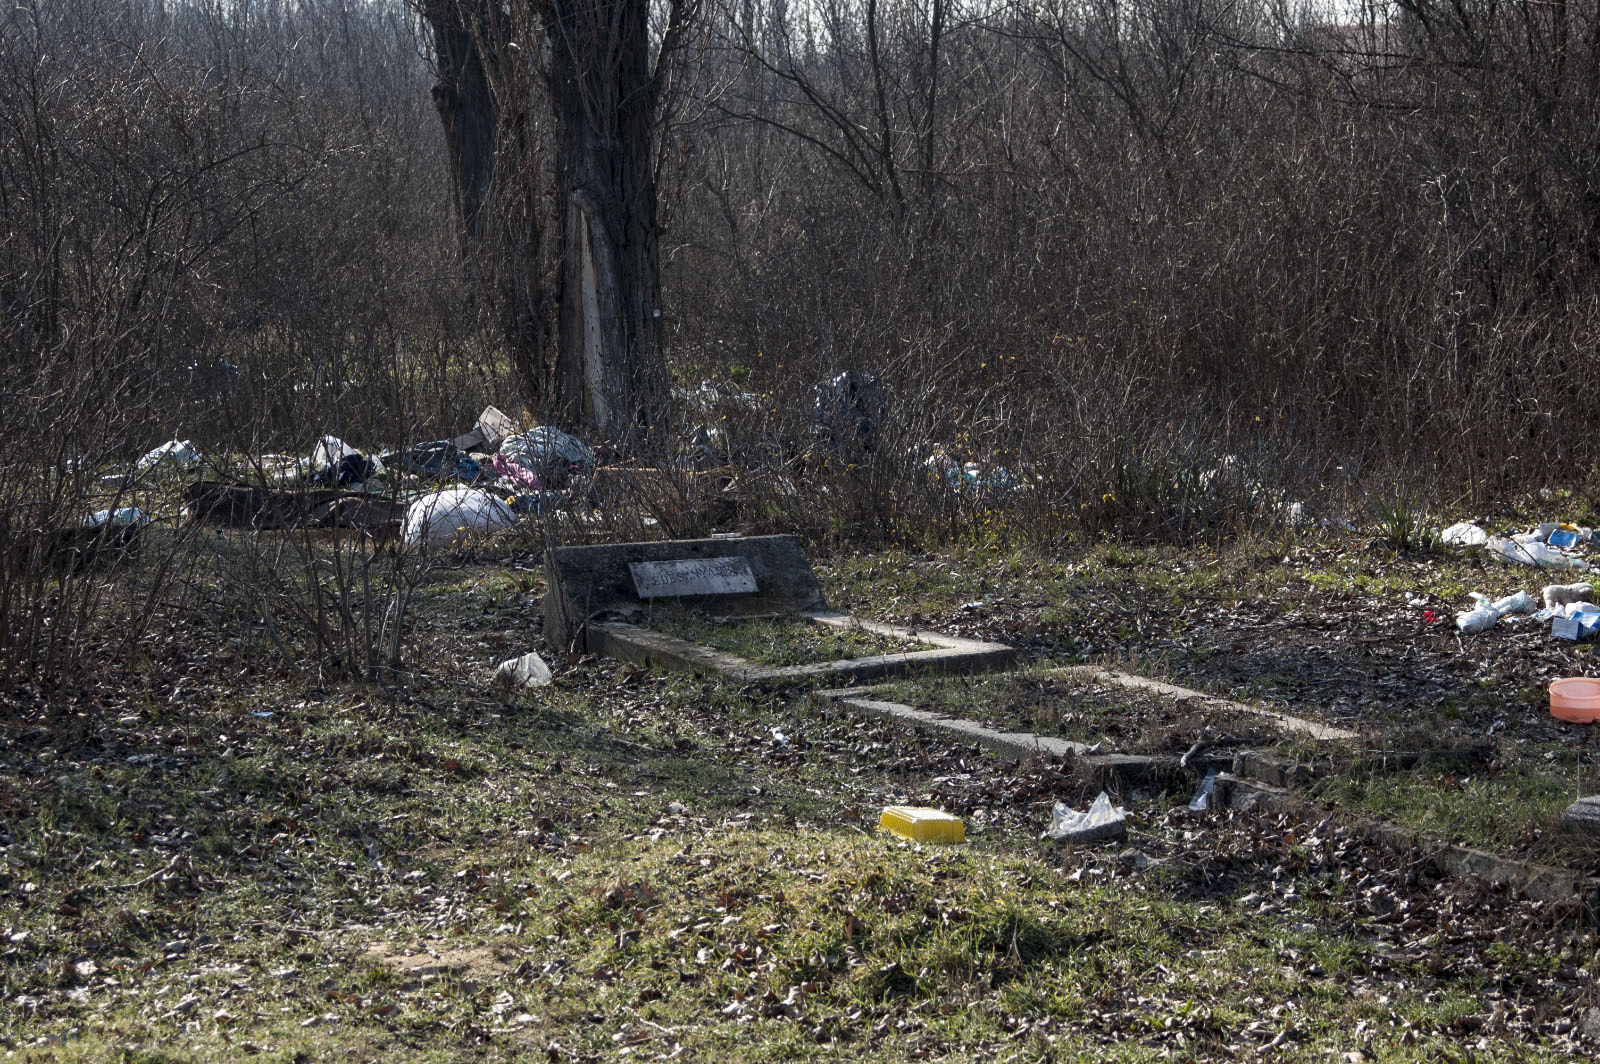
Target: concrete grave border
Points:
(1024, 744)
(593, 605)
(628, 642)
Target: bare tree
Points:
(577, 277)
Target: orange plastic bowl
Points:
(1575, 699)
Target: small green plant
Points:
(1404, 522)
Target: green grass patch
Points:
(1514, 810)
(777, 640)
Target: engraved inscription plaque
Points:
(693, 576)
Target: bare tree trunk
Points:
(610, 373)
(590, 250)
(483, 94)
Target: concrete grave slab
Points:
(601, 598)
(597, 583)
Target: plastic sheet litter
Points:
(1464, 534)
(1532, 552)
(1101, 820)
(529, 670)
(119, 518)
(433, 459)
(1202, 794)
(450, 516)
(545, 449)
(174, 454)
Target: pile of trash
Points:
(1568, 608)
(1553, 545)
(480, 481)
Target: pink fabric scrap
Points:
(508, 468)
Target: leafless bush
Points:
(1109, 246)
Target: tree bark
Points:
(610, 372)
(580, 266)
(484, 101)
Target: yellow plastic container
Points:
(922, 825)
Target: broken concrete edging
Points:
(1540, 882)
(1109, 768)
(950, 654)
(1285, 722)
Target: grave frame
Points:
(593, 605)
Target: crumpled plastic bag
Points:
(1464, 534)
(1102, 820)
(127, 515)
(1532, 553)
(448, 516)
(544, 448)
(175, 454)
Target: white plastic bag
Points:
(1521, 602)
(1532, 554)
(1561, 594)
(1464, 534)
(529, 670)
(449, 516)
(174, 454)
(1471, 622)
(1101, 821)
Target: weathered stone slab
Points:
(1309, 728)
(1584, 816)
(596, 583)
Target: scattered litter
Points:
(1464, 534)
(1202, 794)
(336, 462)
(1101, 821)
(330, 451)
(174, 454)
(1575, 699)
(120, 518)
(922, 825)
(1532, 552)
(1561, 594)
(848, 410)
(971, 476)
(1575, 621)
(449, 516)
(529, 670)
(546, 449)
(264, 714)
(779, 738)
(519, 476)
(545, 446)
